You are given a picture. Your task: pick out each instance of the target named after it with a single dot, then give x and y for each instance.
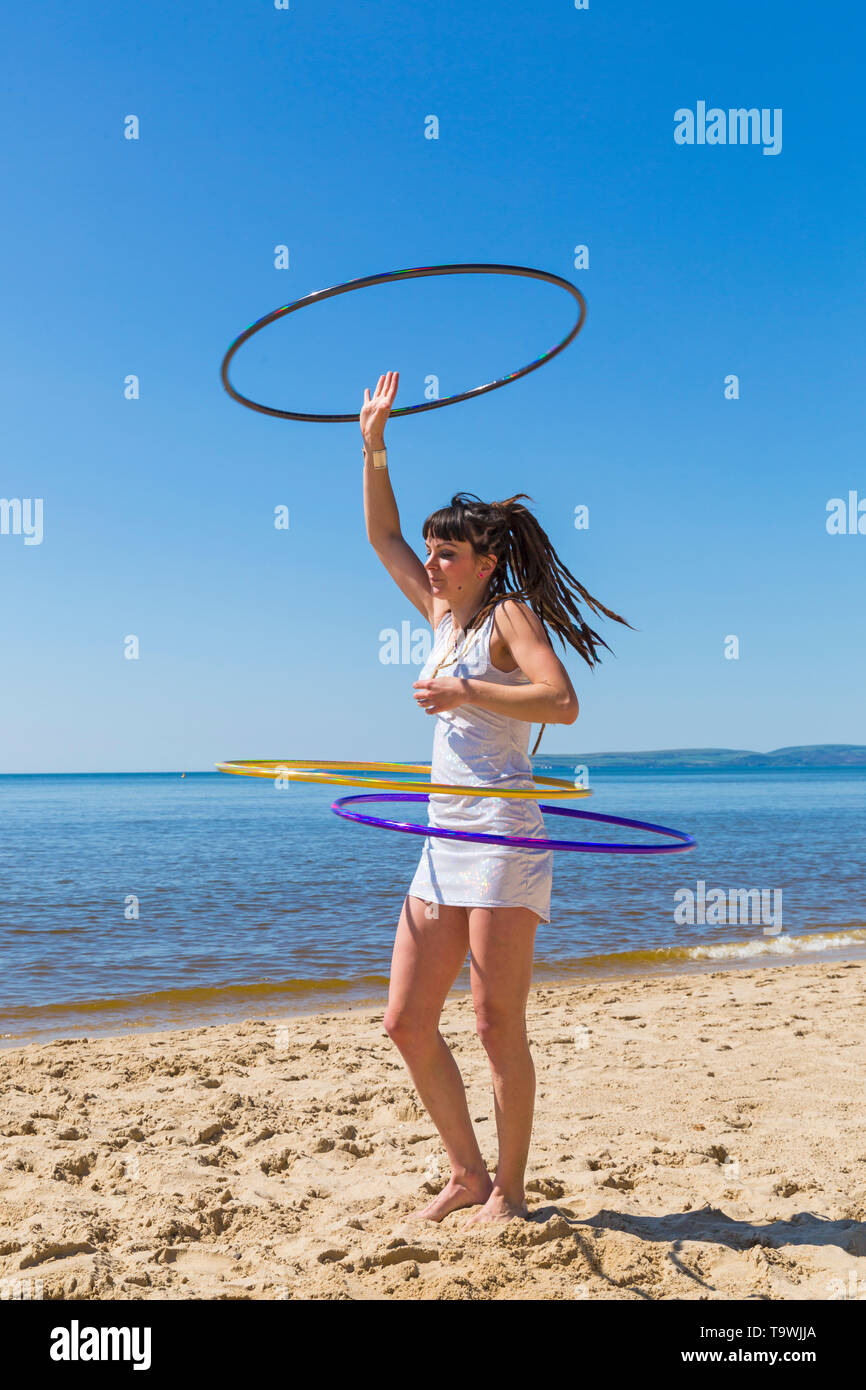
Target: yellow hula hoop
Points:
(312, 770)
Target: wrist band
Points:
(380, 457)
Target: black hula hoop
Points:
(381, 279)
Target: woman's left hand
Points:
(440, 694)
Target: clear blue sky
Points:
(305, 127)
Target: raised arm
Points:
(380, 507)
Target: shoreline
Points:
(696, 1136)
(86, 1020)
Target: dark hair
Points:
(511, 532)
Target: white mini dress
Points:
(472, 746)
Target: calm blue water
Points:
(254, 900)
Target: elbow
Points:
(568, 709)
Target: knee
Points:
(392, 1023)
(407, 1031)
(499, 1029)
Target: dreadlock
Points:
(522, 548)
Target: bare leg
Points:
(502, 941)
(429, 952)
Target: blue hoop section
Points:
(685, 842)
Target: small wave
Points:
(782, 945)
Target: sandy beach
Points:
(696, 1137)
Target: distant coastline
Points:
(805, 756)
(802, 757)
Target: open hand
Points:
(375, 411)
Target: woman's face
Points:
(453, 564)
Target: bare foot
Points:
(497, 1209)
(457, 1192)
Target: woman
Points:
(499, 673)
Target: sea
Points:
(149, 901)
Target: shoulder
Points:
(513, 619)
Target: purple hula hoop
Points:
(527, 842)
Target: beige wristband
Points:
(380, 457)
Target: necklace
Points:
(475, 635)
